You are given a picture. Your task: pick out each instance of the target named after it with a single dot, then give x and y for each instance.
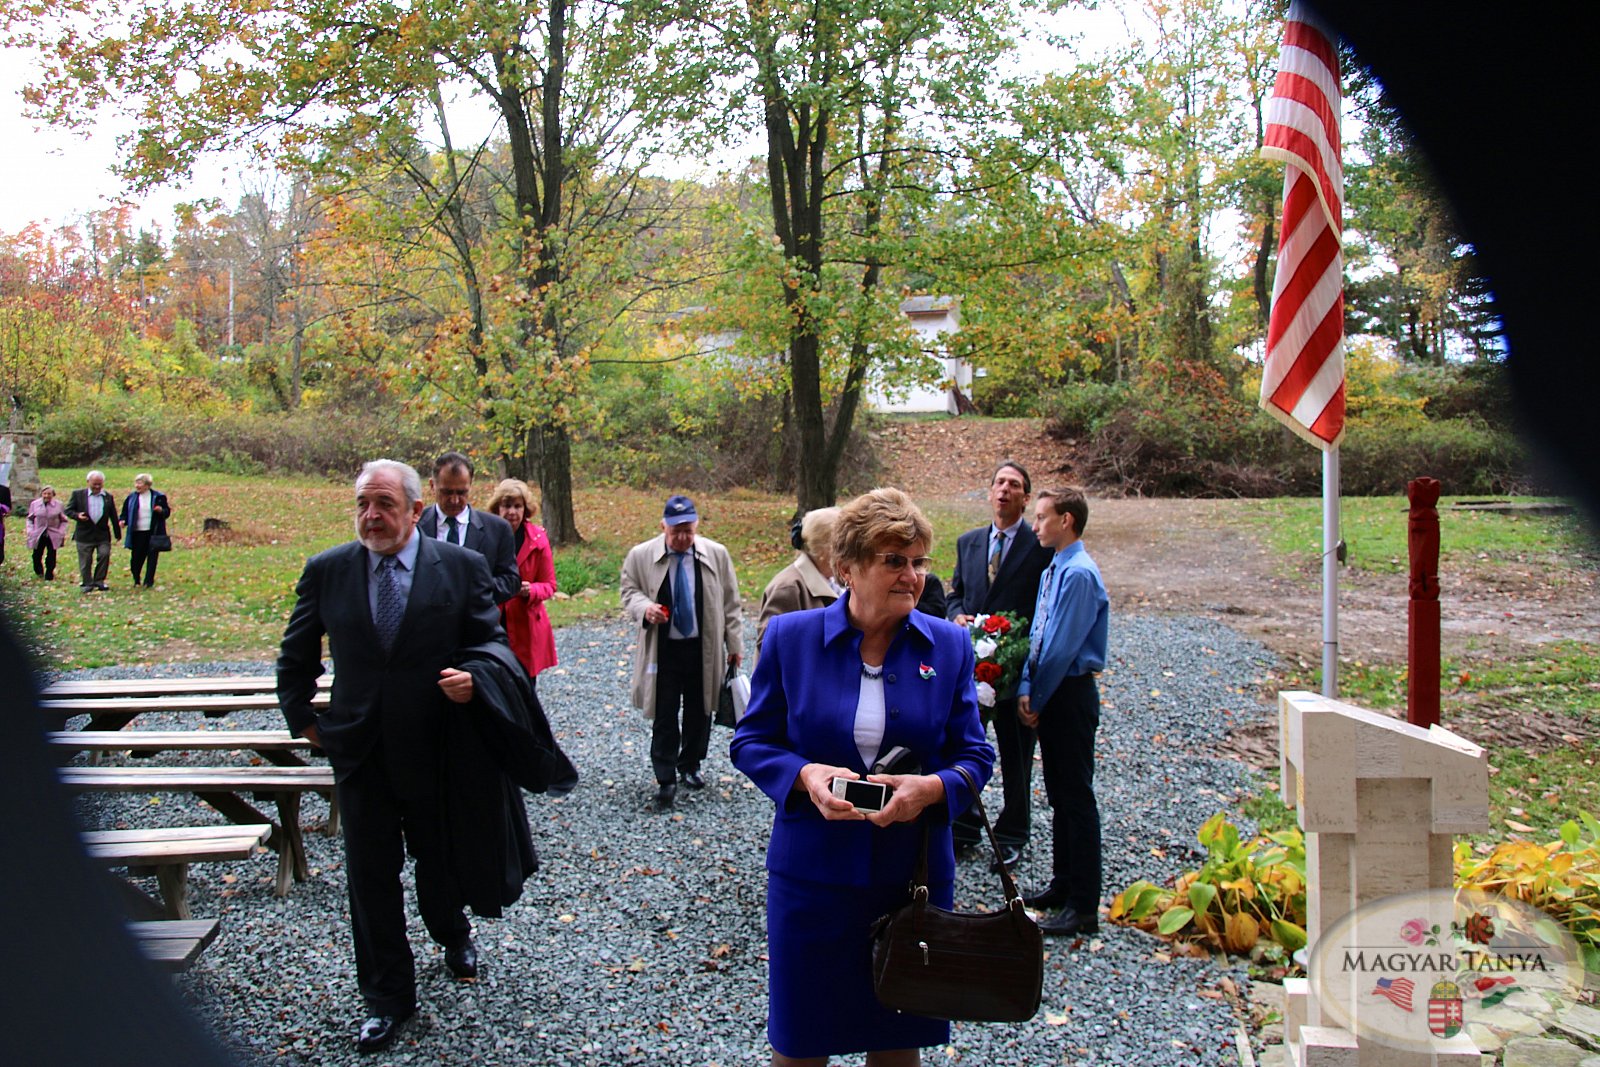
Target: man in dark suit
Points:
(997, 569)
(95, 526)
(399, 610)
(451, 518)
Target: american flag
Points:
(1398, 990)
(1302, 383)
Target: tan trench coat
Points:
(643, 571)
(798, 587)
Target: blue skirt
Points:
(819, 971)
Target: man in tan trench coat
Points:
(680, 588)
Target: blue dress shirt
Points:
(1076, 614)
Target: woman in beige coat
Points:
(808, 581)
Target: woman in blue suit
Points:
(835, 689)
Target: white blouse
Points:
(870, 719)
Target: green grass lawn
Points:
(227, 597)
(1374, 529)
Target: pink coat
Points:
(47, 520)
(527, 624)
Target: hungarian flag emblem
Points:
(1444, 1009)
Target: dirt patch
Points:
(1194, 557)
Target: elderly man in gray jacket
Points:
(680, 588)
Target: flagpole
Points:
(1330, 572)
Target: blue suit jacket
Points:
(802, 710)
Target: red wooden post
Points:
(1422, 635)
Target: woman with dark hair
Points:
(835, 691)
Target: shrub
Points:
(1561, 878)
(1245, 893)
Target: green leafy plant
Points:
(1246, 892)
(1561, 878)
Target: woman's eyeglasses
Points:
(896, 561)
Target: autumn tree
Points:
(568, 83)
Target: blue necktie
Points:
(683, 597)
(1036, 635)
(454, 536)
(390, 605)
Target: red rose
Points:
(1005, 626)
(1480, 928)
(994, 624)
(987, 672)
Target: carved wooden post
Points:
(1422, 635)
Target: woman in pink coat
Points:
(527, 624)
(46, 531)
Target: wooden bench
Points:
(113, 713)
(240, 685)
(277, 747)
(169, 850)
(174, 943)
(221, 788)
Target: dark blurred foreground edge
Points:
(73, 988)
(1498, 98)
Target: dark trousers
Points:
(679, 682)
(44, 558)
(94, 560)
(1067, 726)
(140, 558)
(382, 824)
(1015, 742)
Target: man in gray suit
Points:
(997, 569)
(452, 518)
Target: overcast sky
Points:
(55, 176)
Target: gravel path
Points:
(641, 939)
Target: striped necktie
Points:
(997, 549)
(1042, 616)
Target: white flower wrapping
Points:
(986, 694)
(985, 647)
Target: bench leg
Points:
(332, 826)
(173, 878)
(295, 846)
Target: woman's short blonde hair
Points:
(145, 478)
(816, 532)
(513, 489)
(875, 519)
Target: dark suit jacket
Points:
(490, 536)
(159, 510)
(393, 698)
(1016, 587)
(107, 529)
(803, 699)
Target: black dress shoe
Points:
(379, 1031)
(1069, 923)
(666, 793)
(1046, 899)
(1009, 855)
(693, 780)
(462, 960)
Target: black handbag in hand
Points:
(983, 967)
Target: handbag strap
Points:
(920, 876)
(1006, 881)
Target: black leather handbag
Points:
(983, 967)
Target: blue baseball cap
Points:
(679, 510)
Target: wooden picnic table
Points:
(238, 684)
(222, 788)
(113, 713)
(168, 851)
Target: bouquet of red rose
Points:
(1000, 641)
